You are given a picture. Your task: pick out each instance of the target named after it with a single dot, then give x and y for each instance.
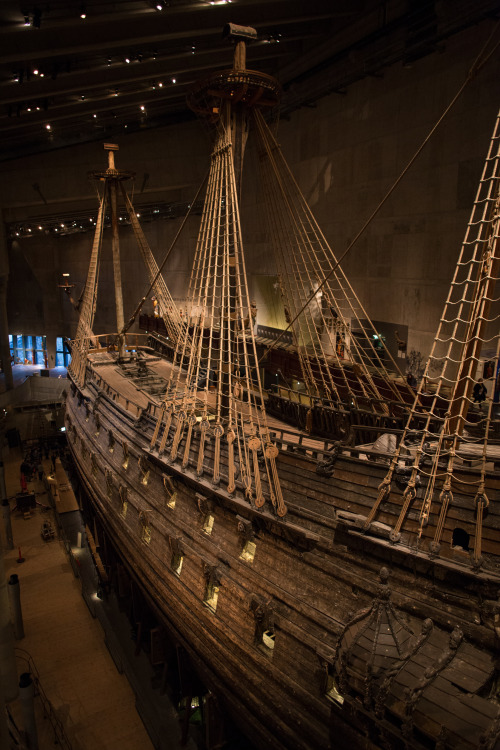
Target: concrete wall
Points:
(346, 152)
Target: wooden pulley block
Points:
(254, 443)
(272, 451)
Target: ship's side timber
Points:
(309, 573)
(224, 642)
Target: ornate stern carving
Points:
(388, 635)
(169, 486)
(145, 527)
(94, 464)
(97, 401)
(126, 456)
(144, 469)
(176, 546)
(205, 504)
(413, 695)
(109, 481)
(212, 576)
(326, 467)
(245, 529)
(247, 539)
(265, 622)
(123, 494)
(211, 573)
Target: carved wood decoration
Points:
(170, 490)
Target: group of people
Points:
(32, 464)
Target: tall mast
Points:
(115, 245)
(226, 98)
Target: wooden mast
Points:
(115, 245)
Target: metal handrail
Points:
(60, 735)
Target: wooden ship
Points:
(330, 592)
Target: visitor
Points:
(479, 393)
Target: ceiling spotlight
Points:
(36, 72)
(94, 115)
(116, 92)
(48, 126)
(127, 59)
(160, 85)
(142, 107)
(174, 80)
(109, 61)
(27, 21)
(82, 97)
(160, 5)
(83, 11)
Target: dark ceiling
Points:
(128, 64)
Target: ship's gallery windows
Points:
(208, 523)
(211, 596)
(248, 551)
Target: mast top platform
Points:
(111, 172)
(248, 88)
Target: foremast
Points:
(112, 181)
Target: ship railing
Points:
(60, 736)
(317, 449)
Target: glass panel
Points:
(59, 344)
(59, 359)
(28, 342)
(67, 357)
(40, 360)
(19, 342)
(39, 342)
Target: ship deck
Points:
(134, 393)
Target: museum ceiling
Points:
(73, 71)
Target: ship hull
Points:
(267, 645)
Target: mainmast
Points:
(227, 99)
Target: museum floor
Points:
(66, 646)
